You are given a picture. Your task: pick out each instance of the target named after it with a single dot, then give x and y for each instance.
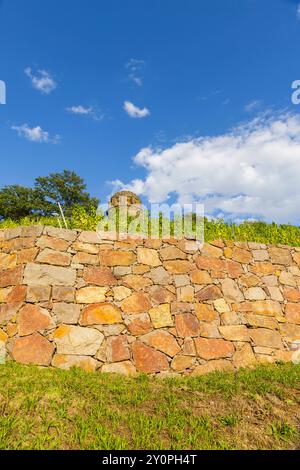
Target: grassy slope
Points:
(54, 409)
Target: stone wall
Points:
(69, 299)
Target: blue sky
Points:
(151, 95)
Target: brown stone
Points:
(230, 318)
(9, 312)
(31, 319)
(18, 244)
(66, 362)
(140, 269)
(287, 279)
(231, 291)
(209, 330)
(187, 325)
(162, 341)
(139, 325)
(244, 356)
(63, 294)
(290, 332)
(67, 313)
(211, 250)
(148, 360)
(181, 363)
(208, 293)
(91, 295)
(52, 243)
(260, 321)
(161, 295)
(266, 338)
(250, 280)
(213, 348)
(38, 294)
(296, 258)
(185, 294)
(242, 256)
(44, 275)
(148, 256)
(101, 314)
(262, 269)
(188, 347)
(292, 312)
(54, 257)
(200, 277)
(33, 349)
(11, 277)
(117, 258)
(275, 294)
(205, 313)
(172, 253)
(235, 333)
(120, 368)
(136, 282)
(76, 340)
(234, 269)
(255, 293)
(86, 247)
(99, 276)
(220, 365)
(210, 263)
(85, 258)
(17, 294)
(260, 255)
(160, 276)
(280, 256)
(291, 294)
(178, 266)
(65, 234)
(262, 307)
(117, 349)
(27, 255)
(138, 302)
(161, 316)
(8, 261)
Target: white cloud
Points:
(298, 11)
(135, 112)
(41, 81)
(253, 106)
(253, 171)
(135, 69)
(85, 111)
(35, 134)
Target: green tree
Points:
(67, 188)
(18, 201)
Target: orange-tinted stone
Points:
(161, 295)
(242, 256)
(187, 325)
(140, 325)
(291, 294)
(32, 318)
(11, 277)
(208, 293)
(117, 258)
(163, 341)
(136, 282)
(117, 349)
(27, 255)
(138, 302)
(210, 263)
(292, 312)
(178, 266)
(200, 277)
(101, 314)
(17, 294)
(213, 348)
(99, 276)
(205, 312)
(148, 360)
(34, 349)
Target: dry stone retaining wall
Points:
(69, 299)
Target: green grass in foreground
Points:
(54, 409)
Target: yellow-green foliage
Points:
(260, 232)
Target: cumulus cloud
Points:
(135, 69)
(35, 134)
(85, 111)
(253, 171)
(298, 11)
(41, 81)
(135, 112)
